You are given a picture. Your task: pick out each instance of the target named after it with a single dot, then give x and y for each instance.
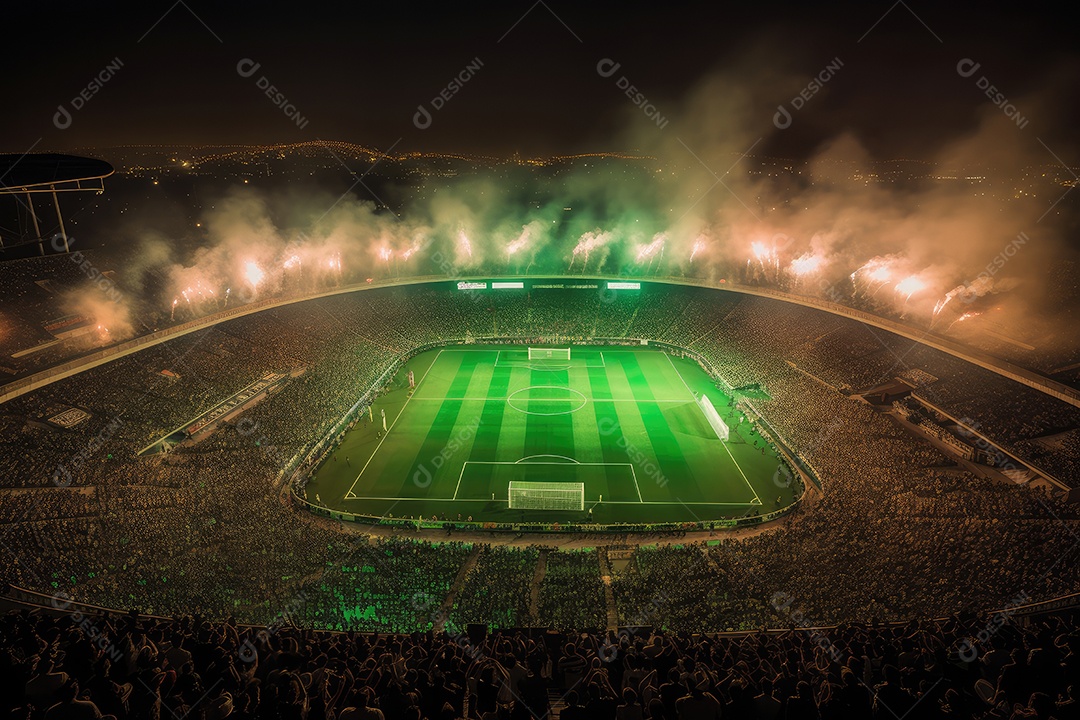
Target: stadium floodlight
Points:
(525, 495)
(718, 425)
(549, 353)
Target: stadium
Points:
(121, 459)
(539, 362)
(499, 421)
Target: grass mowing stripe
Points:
(442, 427)
(512, 433)
(549, 434)
(663, 380)
(607, 420)
(666, 420)
(630, 441)
(587, 441)
(598, 383)
(607, 426)
(666, 446)
(486, 443)
(535, 436)
(562, 426)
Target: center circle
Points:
(546, 400)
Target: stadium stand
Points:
(900, 531)
(126, 666)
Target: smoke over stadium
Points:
(559, 361)
(964, 239)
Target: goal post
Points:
(525, 495)
(549, 353)
(718, 425)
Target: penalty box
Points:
(579, 359)
(617, 482)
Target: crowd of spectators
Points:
(899, 531)
(36, 293)
(892, 507)
(571, 592)
(498, 592)
(128, 667)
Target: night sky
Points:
(358, 71)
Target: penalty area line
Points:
(484, 398)
(670, 362)
(428, 499)
(605, 502)
(637, 487)
(460, 475)
(392, 425)
(756, 500)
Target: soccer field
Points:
(624, 422)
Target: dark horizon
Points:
(533, 76)
(764, 122)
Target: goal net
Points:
(549, 353)
(718, 425)
(546, 495)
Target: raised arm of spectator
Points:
(647, 687)
(334, 694)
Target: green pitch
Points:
(623, 421)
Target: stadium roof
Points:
(43, 171)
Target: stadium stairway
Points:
(459, 582)
(534, 590)
(557, 698)
(609, 594)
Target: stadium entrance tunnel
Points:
(547, 400)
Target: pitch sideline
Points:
(390, 429)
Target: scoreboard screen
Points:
(561, 284)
